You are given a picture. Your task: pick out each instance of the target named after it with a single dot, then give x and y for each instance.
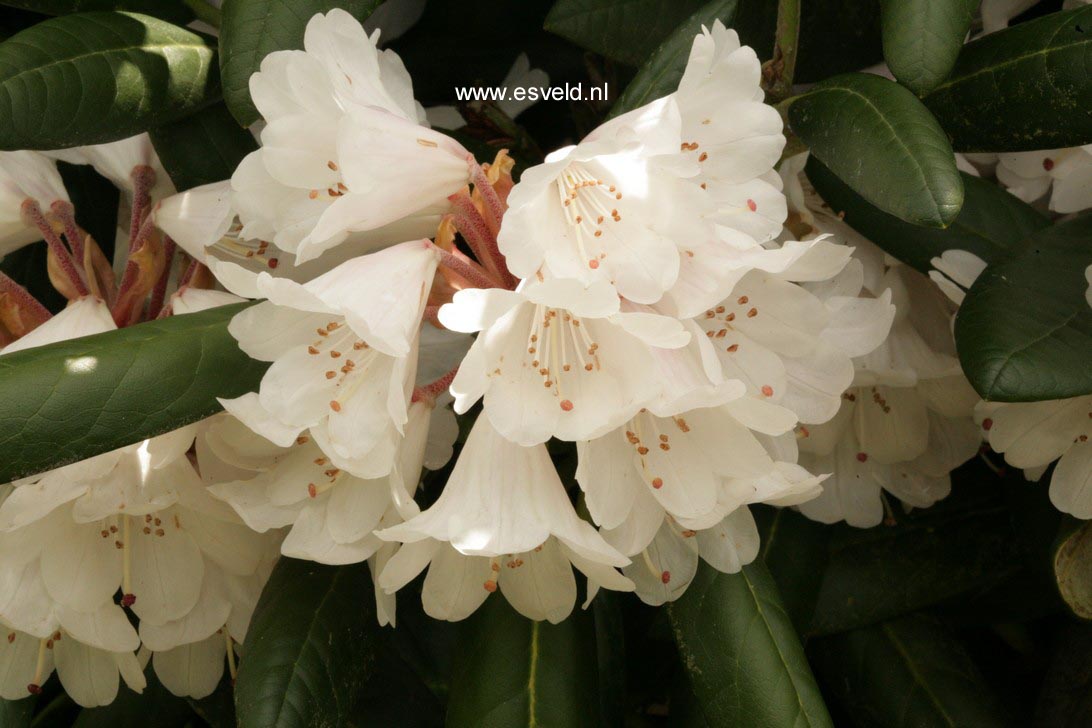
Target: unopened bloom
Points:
(344, 148)
(1065, 173)
(503, 521)
(343, 348)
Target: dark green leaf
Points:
(625, 30)
(1024, 331)
(1027, 87)
(745, 662)
(74, 399)
(310, 647)
(218, 709)
(174, 11)
(660, 74)
(98, 77)
(879, 139)
(990, 224)
(155, 706)
(610, 647)
(16, 713)
(515, 672)
(1073, 567)
(1065, 700)
(202, 148)
(394, 695)
(907, 672)
(961, 545)
(252, 29)
(795, 550)
(921, 38)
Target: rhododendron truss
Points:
(304, 358)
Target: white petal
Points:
(89, 675)
(1071, 483)
(455, 585)
(192, 670)
(539, 584)
(167, 568)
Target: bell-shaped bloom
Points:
(343, 348)
(331, 512)
(503, 520)
(344, 148)
(25, 175)
(1065, 173)
(735, 137)
(616, 208)
(88, 674)
(1034, 434)
(556, 359)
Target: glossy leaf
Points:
(1027, 87)
(310, 647)
(511, 671)
(1065, 699)
(922, 38)
(98, 77)
(625, 30)
(991, 223)
(610, 647)
(1073, 567)
(174, 11)
(746, 664)
(252, 29)
(1024, 331)
(879, 139)
(394, 695)
(963, 545)
(16, 713)
(202, 148)
(74, 399)
(907, 672)
(795, 549)
(660, 74)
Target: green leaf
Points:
(795, 549)
(610, 647)
(922, 38)
(1027, 87)
(515, 672)
(1024, 331)
(74, 399)
(394, 695)
(745, 662)
(173, 11)
(879, 139)
(1072, 561)
(16, 713)
(964, 544)
(907, 672)
(1065, 700)
(310, 647)
(99, 77)
(202, 148)
(218, 709)
(660, 74)
(252, 29)
(625, 30)
(991, 223)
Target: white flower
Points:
(117, 161)
(556, 359)
(503, 520)
(955, 271)
(344, 148)
(25, 176)
(343, 348)
(1033, 434)
(1065, 173)
(89, 674)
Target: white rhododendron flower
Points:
(344, 148)
(25, 175)
(122, 162)
(1065, 173)
(343, 348)
(1031, 435)
(503, 520)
